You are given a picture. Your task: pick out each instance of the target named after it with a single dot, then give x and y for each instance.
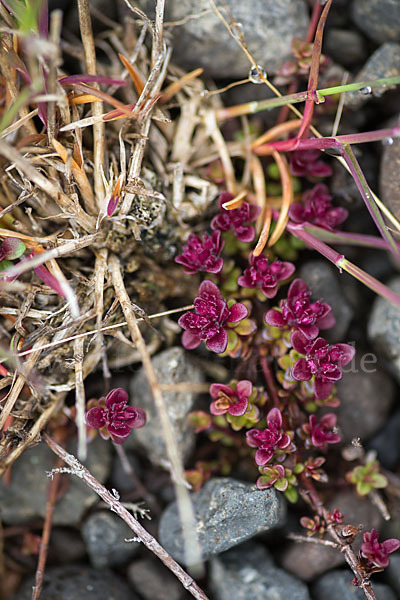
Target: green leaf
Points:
(291, 494)
(281, 484)
(379, 481)
(364, 488)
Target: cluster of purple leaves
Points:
(316, 208)
(378, 552)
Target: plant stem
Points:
(269, 380)
(148, 540)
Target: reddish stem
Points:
(269, 380)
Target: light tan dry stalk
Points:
(55, 62)
(148, 540)
(185, 507)
(80, 401)
(97, 107)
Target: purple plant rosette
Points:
(317, 209)
(265, 275)
(229, 400)
(378, 552)
(323, 432)
(236, 220)
(298, 312)
(113, 417)
(322, 361)
(305, 163)
(211, 319)
(202, 253)
(269, 440)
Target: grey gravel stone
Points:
(322, 279)
(308, 561)
(228, 512)
(336, 586)
(387, 443)
(389, 178)
(66, 545)
(384, 62)
(70, 582)
(359, 413)
(378, 19)
(25, 498)
(105, 535)
(268, 27)
(384, 329)
(393, 572)
(154, 581)
(346, 47)
(247, 572)
(171, 366)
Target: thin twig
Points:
(148, 540)
(80, 399)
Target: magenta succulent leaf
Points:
(308, 163)
(237, 220)
(317, 209)
(210, 321)
(265, 276)
(202, 254)
(229, 400)
(378, 552)
(269, 440)
(298, 312)
(322, 360)
(322, 433)
(114, 417)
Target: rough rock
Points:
(387, 443)
(70, 582)
(384, 62)
(105, 534)
(322, 279)
(308, 561)
(171, 366)
(359, 413)
(336, 586)
(393, 572)
(228, 512)
(247, 572)
(389, 178)
(268, 27)
(153, 581)
(66, 545)
(345, 47)
(378, 19)
(384, 329)
(25, 498)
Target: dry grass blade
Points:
(80, 402)
(287, 197)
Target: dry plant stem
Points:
(55, 33)
(20, 382)
(223, 151)
(44, 544)
(100, 270)
(80, 399)
(73, 209)
(32, 434)
(8, 73)
(287, 196)
(148, 540)
(346, 548)
(312, 540)
(193, 555)
(97, 107)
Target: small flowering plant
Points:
(232, 399)
(298, 313)
(237, 220)
(308, 163)
(367, 477)
(321, 433)
(202, 253)
(377, 552)
(211, 320)
(273, 440)
(265, 276)
(316, 208)
(113, 417)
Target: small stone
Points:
(25, 498)
(248, 572)
(308, 561)
(384, 329)
(322, 279)
(387, 443)
(384, 62)
(171, 366)
(268, 27)
(153, 581)
(359, 414)
(228, 512)
(378, 19)
(70, 582)
(105, 535)
(389, 178)
(66, 545)
(345, 47)
(337, 586)
(393, 573)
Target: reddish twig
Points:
(76, 468)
